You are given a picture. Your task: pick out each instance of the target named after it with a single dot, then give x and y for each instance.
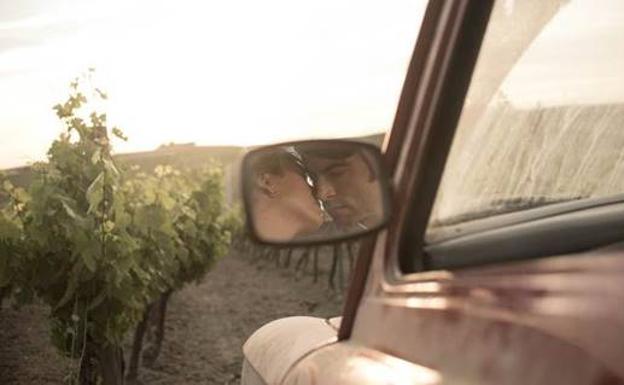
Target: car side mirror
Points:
(312, 192)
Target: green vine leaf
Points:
(95, 193)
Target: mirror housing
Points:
(314, 192)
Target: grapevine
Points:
(99, 242)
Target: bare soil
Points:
(206, 325)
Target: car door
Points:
(526, 289)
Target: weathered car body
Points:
(554, 321)
(552, 314)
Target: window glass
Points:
(544, 116)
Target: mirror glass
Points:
(315, 191)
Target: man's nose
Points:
(325, 190)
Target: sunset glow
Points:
(239, 72)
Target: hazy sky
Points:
(249, 72)
(578, 58)
(218, 72)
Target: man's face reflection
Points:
(348, 187)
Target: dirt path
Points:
(26, 353)
(206, 327)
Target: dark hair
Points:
(273, 161)
(336, 151)
(327, 150)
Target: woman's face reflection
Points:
(299, 198)
(283, 206)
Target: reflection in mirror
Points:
(314, 191)
(281, 201)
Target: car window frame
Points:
(435, 119)
(557, 229)
(428, 111)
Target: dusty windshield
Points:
(543, 118)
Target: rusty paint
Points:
(554, 320)
(346, 363)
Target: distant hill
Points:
(182, 156)
(20, 176)
(376, 139)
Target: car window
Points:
(542, 122)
